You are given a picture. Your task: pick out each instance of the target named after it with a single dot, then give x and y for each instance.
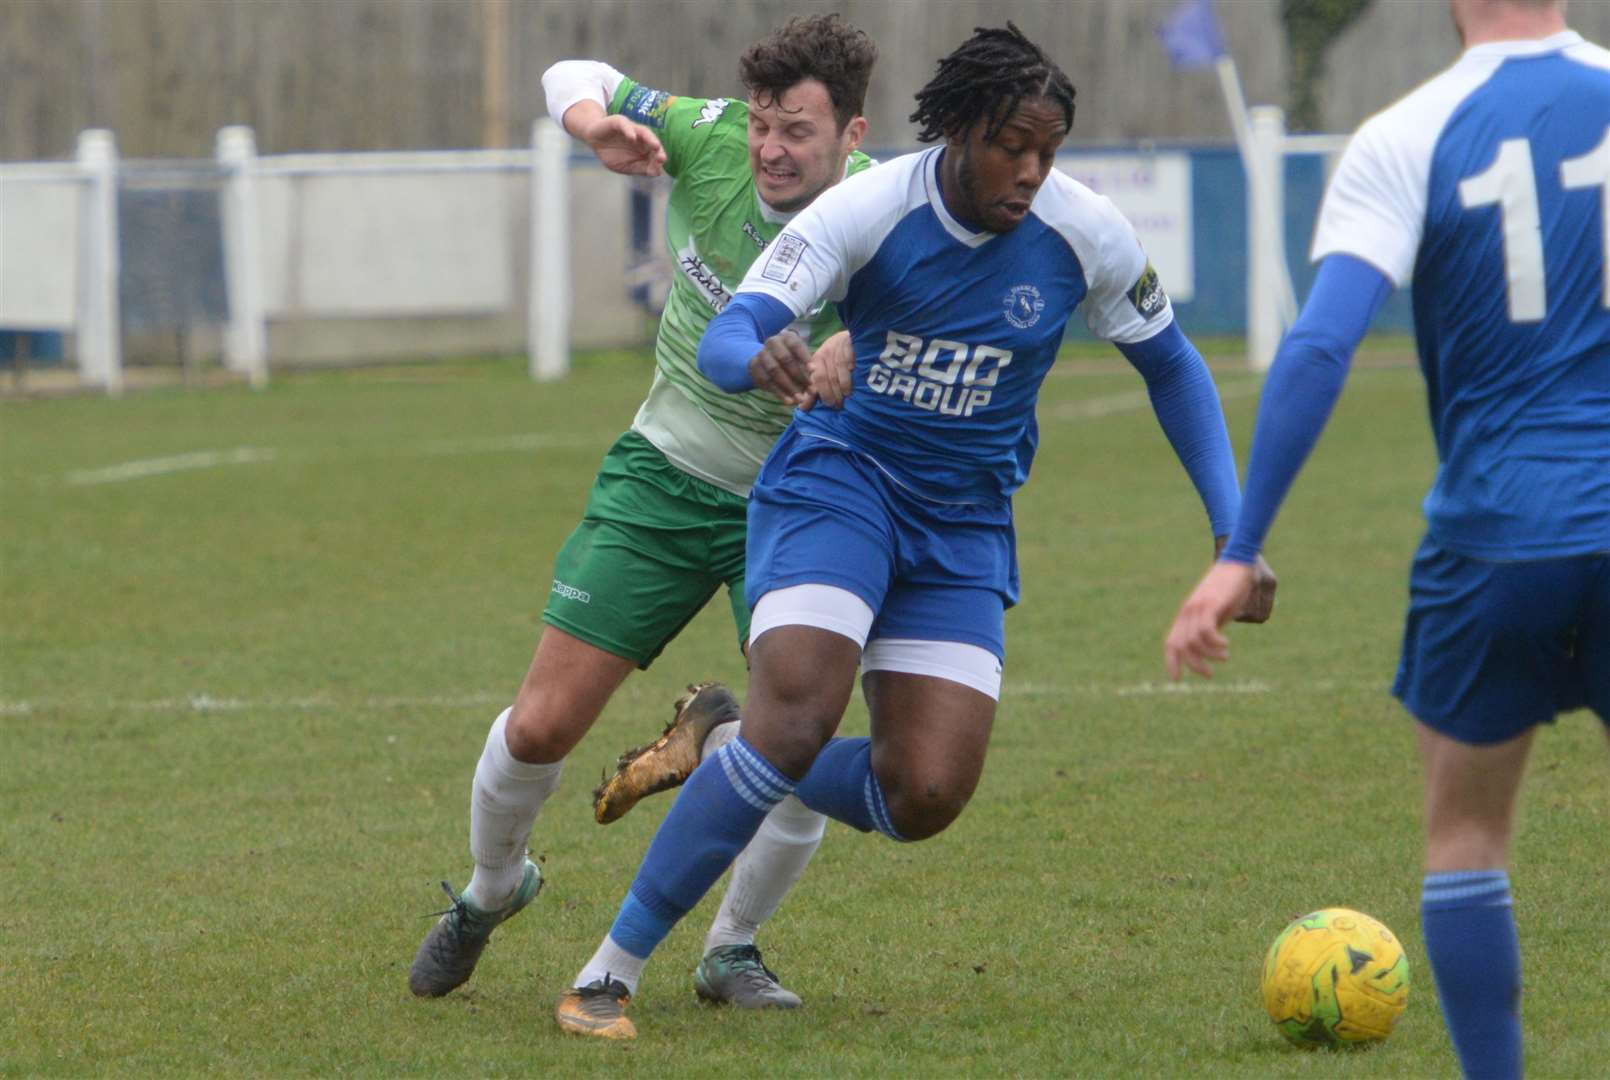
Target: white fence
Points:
(303, 238)
(58, 253)
(331, 257)
(1271, 300)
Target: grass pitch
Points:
(251, 645)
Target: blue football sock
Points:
(716, 813)
(842, 785)
(1469, 927)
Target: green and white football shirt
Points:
(715, 226)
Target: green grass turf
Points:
(240, 707)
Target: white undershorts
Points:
(828, 607)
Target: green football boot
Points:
(735, 975)
(447, 956)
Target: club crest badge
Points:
(1023, 306)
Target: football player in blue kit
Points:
(880, 532)
(1489, 186)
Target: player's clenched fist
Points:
(783, 366)
(1260, 600)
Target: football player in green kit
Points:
(664, 526)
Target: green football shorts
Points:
(652, 548)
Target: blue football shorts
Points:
(1491, 649)
(824, 514)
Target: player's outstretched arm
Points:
(1304, 383)
(1186, 402)
(578, 93)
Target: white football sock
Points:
(614, 962)
(719, 736)
(765, 871)
(504, 803)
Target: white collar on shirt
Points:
(1526, 46)
(936, 199)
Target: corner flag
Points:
(1190, 35)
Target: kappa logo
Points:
(1023, 306)
(712, 111)
(570, 592)
(1147, 294)
(783, 258)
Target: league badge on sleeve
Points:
(648, 107)
(783, 257)
(1147, 294)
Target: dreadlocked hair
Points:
(984, 79)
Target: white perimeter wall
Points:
(361, 264)
(39, 254)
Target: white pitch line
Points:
(1147, 689)
(1133, 400)
(201, 459)
(1088, 409)
(248, 455)
(492, 444)
(207, 703)
(1038, 689)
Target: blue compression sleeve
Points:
(734, 337)
(1303, 385)
(1187, 406)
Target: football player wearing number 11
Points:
(880, 532)
(1490, 186)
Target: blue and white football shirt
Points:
(954, 330)
(1489, 186)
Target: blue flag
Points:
(1190, 35)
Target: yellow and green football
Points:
(1335, 977)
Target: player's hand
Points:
(833, 370)
(783, 366)
(1196, 638)
(624, 147)
(1260, 602)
